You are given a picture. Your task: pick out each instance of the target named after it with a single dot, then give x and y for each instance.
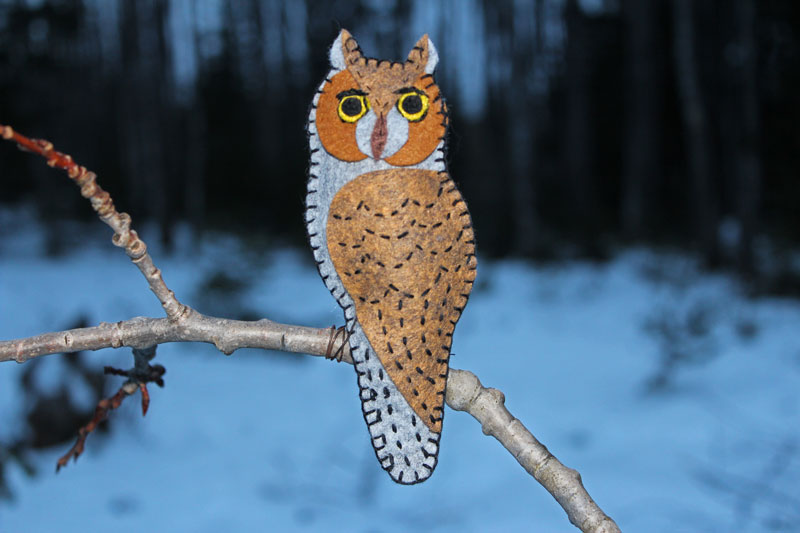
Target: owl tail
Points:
(406, 448)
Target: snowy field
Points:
(276, 442)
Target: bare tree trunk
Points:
(522, 121)
(577, 143)
(698, 149)
(195, 132)
(126, 110)
(142, 108)
(748, 165)
(162, 91)
(642, 165)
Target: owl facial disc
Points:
(380, 111)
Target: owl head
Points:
(380, 109)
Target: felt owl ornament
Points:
(393, 241)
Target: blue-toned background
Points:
(631, 167)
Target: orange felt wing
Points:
(401, 241)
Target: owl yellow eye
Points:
(413, 106)
(352, 107)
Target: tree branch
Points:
(466, 393)
(184, 324)
(464, 390)
(140, 332)
(100, 413)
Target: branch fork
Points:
(183, 324)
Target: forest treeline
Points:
(576, 126)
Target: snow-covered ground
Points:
(275, 442)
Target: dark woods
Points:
(576, 126)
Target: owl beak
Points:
(380, 134)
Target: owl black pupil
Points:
(351, 106)
(412, 104)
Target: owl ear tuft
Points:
(424, 55)
(344, 51)
(433, 58)
(336, 54)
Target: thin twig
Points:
(139, 376)
(124, 236)
(100, 413)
